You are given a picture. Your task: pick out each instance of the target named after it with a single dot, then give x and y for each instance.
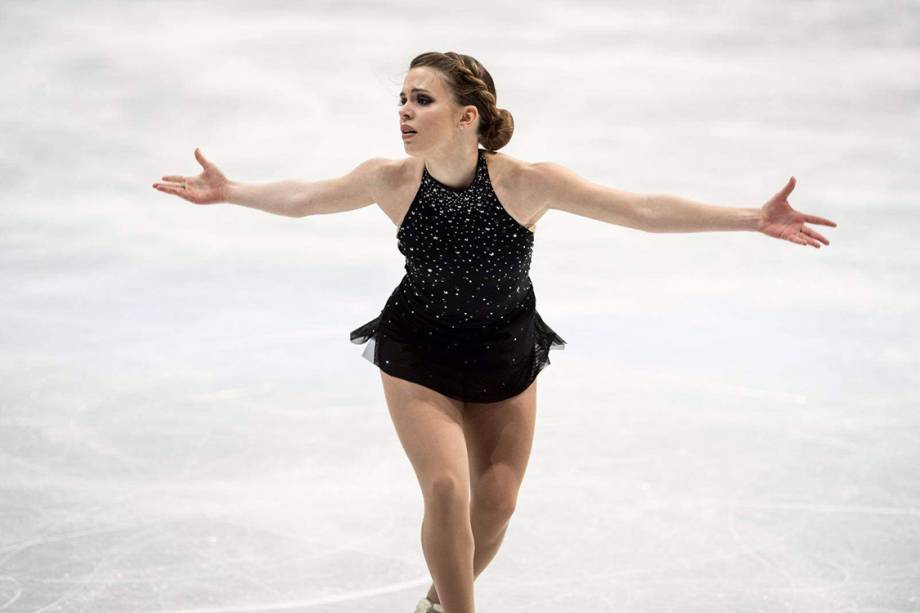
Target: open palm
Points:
(209, 187)
(779, 220)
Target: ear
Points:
(468, 117)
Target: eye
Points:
(422, 99)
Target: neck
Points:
(456, 169)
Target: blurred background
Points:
(185, 426)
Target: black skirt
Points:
(472, 364)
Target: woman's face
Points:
(426, 106)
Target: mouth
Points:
(408, 135)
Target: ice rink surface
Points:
(184, 425)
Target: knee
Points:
(446, 491)
(494, 508)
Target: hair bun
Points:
(500, 129)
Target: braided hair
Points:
(471, 84)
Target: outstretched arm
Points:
(775, 218)
(559, 188)
(291, 198)
(553, 186)
(669, 213)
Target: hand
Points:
(210, 187)
(779, 220)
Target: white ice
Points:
(185, 426)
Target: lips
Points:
(406, 129)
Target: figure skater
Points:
(459, 342)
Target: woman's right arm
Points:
(302, 198)
(291, 198)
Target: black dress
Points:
(463, 320)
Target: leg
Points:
(499, 437)
(430, 428)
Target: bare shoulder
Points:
(385, 176)
(546, 178)
(402, 170)
(513, 180)
(397, 182)
(359, 187)
(553, 186)
(504, 167)
(382, 173)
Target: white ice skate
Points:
(426, 606)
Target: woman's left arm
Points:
(775, 218)
(552, 186)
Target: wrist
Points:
(230, 194)
(752, 219)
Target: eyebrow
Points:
(418, 89)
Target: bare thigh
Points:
(499, 438)
(430, 428)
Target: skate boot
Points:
(426, 606)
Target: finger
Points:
(171, 184)
(787, 189)
(175, 178)
(808, 241)
(820, 220)
(201, 159)
(170, 189)
(816, 235)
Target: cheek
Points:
(441, 122)
(432, 121)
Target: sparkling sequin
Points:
(463, 320)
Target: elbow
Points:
(301, 211)
(646, 214)
(300, 206)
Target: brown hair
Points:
(471, 84)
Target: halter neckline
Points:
(459, 190)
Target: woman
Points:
(459, 342)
